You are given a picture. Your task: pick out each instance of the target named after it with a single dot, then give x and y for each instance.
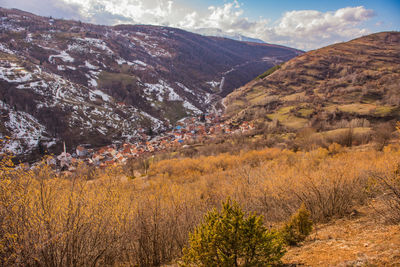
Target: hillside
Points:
(141, 214)
(70, 81)
(351, 84)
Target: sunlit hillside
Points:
(142, 145)
(327, 88)
(141, 214)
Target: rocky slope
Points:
(81, 83)
(356, 84)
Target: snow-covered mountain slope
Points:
(86, 83)
(220, 33)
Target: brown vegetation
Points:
(145, 221)
(356, 80)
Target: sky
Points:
(304, 25)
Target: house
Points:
(112, 151)
(65, 159)
(81, 151)
(102, 150)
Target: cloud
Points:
(304, 29)
(135, 11)
(54, 8)
(310, 28)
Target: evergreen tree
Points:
(298, 227)
(228, 238)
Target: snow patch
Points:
(184, 87)
(90, 66)
(120, 61)
(103, 95)
(161, 89)
(13, 73)
(64, 56)
(92, 78)
(138, 62)
(191, 107)
(26, 131)
(92, 82)
(96, 43)
(213, 84)
(4, 49)
(28, 38)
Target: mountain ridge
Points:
(322, 88)
(70, 76)
(219, 33)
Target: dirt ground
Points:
(361, 240)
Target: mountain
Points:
(356, 83)
(219, 33)
(63, 80)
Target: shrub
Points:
(335, 148)
(388, 183)
(298, 227)
(383, 134)
(227, 238)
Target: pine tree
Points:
(228, 238)
(298, 227)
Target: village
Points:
(187, 131)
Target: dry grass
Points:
(359, 241)
(355, 79)
(110, 220)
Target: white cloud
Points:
(304, 29)
(310, 28)
(134, 11)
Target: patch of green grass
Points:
(284, 116)
(109, 79)
(281, 114)
(370, 98)
(383, 111)
(269, 72)
(174, 110)
(258, 99)
(294, 97)
(65, 36)
(362, 109)
(295, 122)
(305, 112)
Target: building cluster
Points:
(187, 131)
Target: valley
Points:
(118, 79)
(142, 145)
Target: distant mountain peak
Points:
(230, 35)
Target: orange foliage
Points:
(115, 220)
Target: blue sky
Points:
(387, 12)
(301, 24)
